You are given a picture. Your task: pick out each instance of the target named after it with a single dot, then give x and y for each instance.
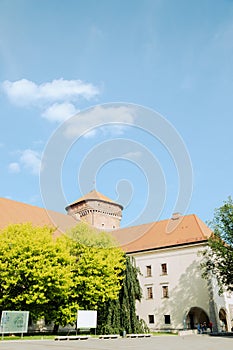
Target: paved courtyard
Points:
(194, 342)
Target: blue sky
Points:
(58, 58)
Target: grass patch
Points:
(52, 336)
(27, 337)
(163, 333)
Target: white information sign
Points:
(14, 322)
(87, 319)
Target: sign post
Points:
(14, 322)
(87, 319)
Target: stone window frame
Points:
(151, 318)
(164, 268)
(165, 292)
(167, 319)
(149, 291)
(148, 271)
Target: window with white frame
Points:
(164, 269)
(165, 291)
(151, 319)
(149, 293)
(148, 271)
(167, 319)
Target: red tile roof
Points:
(12, 212)
(94, 195)
(166, 233)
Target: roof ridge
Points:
(96, 196)
(19, 202)
(198, 221)
(195, 217)
(196, 233)
(153, 222)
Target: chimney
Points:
(176, 216)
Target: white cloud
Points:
(107, 119)
(25, 92)
(90, 134)
(21, 92)
(28, 159)
(31, 160)
(56, 99)
(133, 155)
(59, 112)
(112, 129)
(14, 168)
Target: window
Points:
(167, 319)
(151, 318)
(165, 291)
(149, 293)
(164, 269)
(148, 271)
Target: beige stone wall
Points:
(186, 287)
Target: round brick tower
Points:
(97, 210)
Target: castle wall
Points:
(182, 280)
(99, 214)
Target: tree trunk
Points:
(55, 328)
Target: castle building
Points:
(167, 253)
(175, 296)
(97, 210)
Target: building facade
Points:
(167, 253)
(175, 295)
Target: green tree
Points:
(98, 268)
(119, 315)
(36, 273)
(218, 258)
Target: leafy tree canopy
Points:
(85, 235)
(36, 273)
(54, 278)
(219, 256)
(98, 268)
